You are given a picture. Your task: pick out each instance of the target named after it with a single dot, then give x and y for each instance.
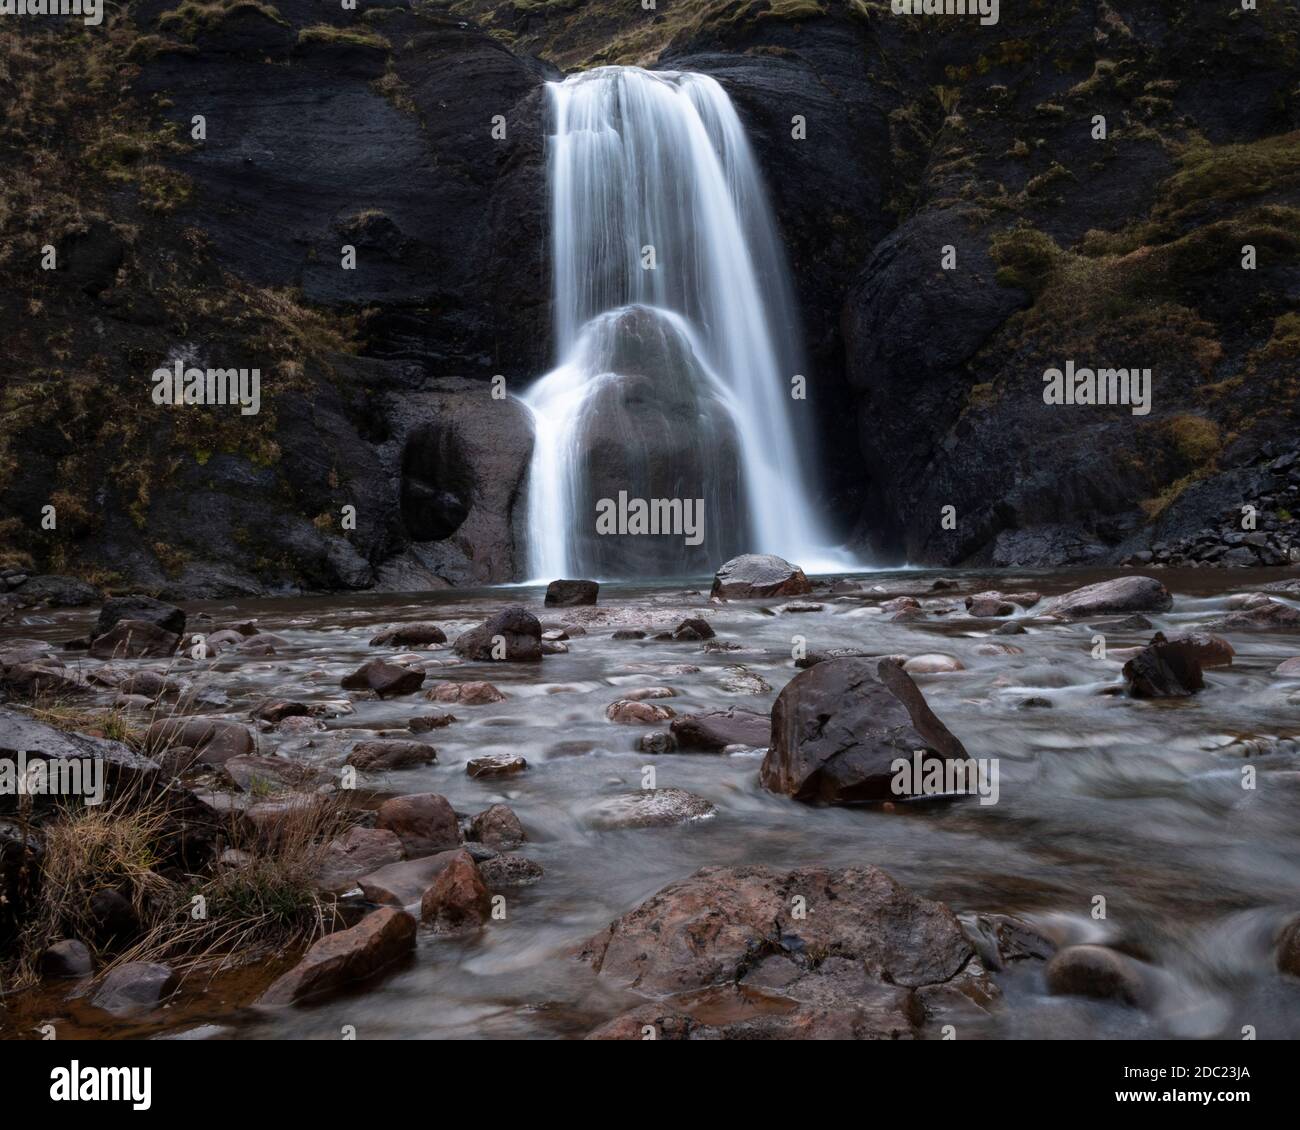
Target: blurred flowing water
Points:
(1140, 802)
(674, 378)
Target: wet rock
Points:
(66, 958)
(137, 986)
(384, 754)
(933, 664)
(1135, 623)
(498, 827)
(713, 730)
(1263, 616)
(802, 606)
(728, 936)
(740, 680)
(150, 684)
(255, 774)
(165, 616)
(1288, 948)
(275, 710)
(631, 712)
(509, 870)
(403, 883)
(754, 575)
(650, 808)
(43, 676)
(122, 766)
(640, 694)
(1099, 972)
(1010, 629)
(358, 852)
(838, 727)
(466, 694)
(458, 900)
(628, 634)
(661, 742)
(996, 649)
(1002, 940)
(554, 647)
(901, 604)
(989, 605)
(1209, 650)
(213, 740)
(1288, 668)
(1119, 596)
(815, 657)
(385, 679)
(134, 639)
(264, 643)
(1164, 669)
(423, 723)
(424, 822)
(515, 630)
(692, 628)
(423, 633)
(495, 765)
(337, 960)
(569, 594)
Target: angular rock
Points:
(166, 616)
(213, 740)
(692, 628)
(1164, 669)
(515, 628)
(358, 852)
(713, 730)
(570, 594)
(424, 822)
(458, 900)
(337, 960)
(404, 882)
(837, 729)
(385, 679)
(134, 639)
(137, 986)
(498, 827)
(423, 723)
(122, 767)
(753, 575)
(255, 774)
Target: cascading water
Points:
(675, 326)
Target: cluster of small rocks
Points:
(1274, 542)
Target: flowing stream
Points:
(677, 335)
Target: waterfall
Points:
(676, 330)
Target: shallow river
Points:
(1139, 802)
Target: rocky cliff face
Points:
(893, 147)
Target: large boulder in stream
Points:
(753, 575)
(735, 959)
(1117, 597)
(382, 938)
(511, 636)
(838, 728)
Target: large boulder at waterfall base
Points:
(857, 965)
(381, 938)
(513, 635)
(754, 575)
(1118, 597)
(570, 594)
(837, 729)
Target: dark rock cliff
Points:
(374, 130)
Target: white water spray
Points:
(662, 234)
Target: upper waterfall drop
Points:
(675, 326)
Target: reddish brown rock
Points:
(495, 765)
(134, 639)
(384, 754)
(357, 852)
(423, 723)
(630, 712)
(424, 822)
(423, 633)
(214, 740)
(498, 827)
(380, 939)
(458, 899)
(466, 694)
